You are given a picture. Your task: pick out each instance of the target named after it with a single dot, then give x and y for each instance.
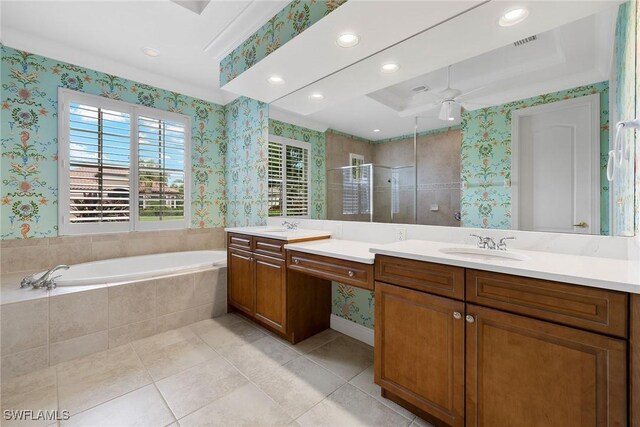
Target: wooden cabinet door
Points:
(525, 372)
(271, 275)
(242, 283)
(419, 350)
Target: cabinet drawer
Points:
(348, 272)
(240, 241)
(269, 247)
(592, 309)
(423, 276)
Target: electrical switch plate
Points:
(401, 234)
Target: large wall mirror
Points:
(516, 135)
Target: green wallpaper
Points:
(29, 140)
(486, 158)
(245, 169)
(296, 17)
(317, 171)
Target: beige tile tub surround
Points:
(47, 331)
(42, 253)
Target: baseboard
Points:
(352, 329)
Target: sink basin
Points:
(274, 230)
(485, 254)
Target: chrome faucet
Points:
(502, 246)
(44, 281)
(291, 225)
(489, 243)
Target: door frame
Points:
(593, 102)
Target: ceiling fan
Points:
(448, 100)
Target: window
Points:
(288, 179)
(122, 167)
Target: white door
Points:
(555, 166)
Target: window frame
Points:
(65, 227)
(284, 142)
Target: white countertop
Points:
(343, 249)
(279, 233)
(605, 273)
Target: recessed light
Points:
(389, 67)
(149, 51)
(316, 96)
(513, 16)
(276, 80)
(376, 130)
(348, 40)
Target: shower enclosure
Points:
(374, 193)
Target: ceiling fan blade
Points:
(414, 111)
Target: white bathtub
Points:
(138, 267)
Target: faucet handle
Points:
(26, 282)
(502, 245)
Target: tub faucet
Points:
(293, 225)
(44, 281)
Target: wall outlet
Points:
(401, 234)
(338, 231)
(435, 208)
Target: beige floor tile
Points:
(36, 391)
(364, 381)
(224, 339)
(246, 406)
(89, 381)
(344, 356)
(143, 407)
(419, 422)
(316, 341)
(348, 406)
(194, 388)
(208, 325)
(155, 342)
(176, 357)
(259, 357)
(298, 385)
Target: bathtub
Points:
(138, 267)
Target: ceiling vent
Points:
(525, 41)
(420, 89)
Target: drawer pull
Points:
(296, 261)
(351, 273)
(470, 318)
(457, 315)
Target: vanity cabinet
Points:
(501, 350)
(260, 287)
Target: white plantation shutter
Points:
(356, 190)
(121, 167)
(99, 164)
(275, 181)
(288, 178)
(161, 169)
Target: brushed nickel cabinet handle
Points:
(351, 273)
(296, 261)
(470, 318)
(457, 315)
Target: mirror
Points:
(517, 137)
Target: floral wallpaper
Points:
(318, 171)
(29, 140)
(625, 98)
(353, 304)
(245, 168)
(486, 158)
(296, 17)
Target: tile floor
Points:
(219, 372)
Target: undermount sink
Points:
(274, 230)
(485, 254)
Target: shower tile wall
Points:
(338, 148)
(438, 175)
